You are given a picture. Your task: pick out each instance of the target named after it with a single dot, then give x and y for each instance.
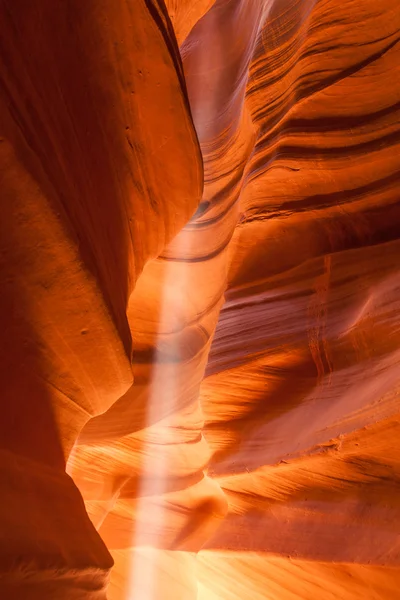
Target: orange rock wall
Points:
(223, 387)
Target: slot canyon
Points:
(200, 299)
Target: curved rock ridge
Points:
(199, 257)
(100, 167)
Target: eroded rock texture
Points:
(199, 261)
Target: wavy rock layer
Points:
(260, 431)
(301, 388)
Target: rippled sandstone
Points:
(222, 388)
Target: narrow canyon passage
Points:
(160, 496)
(199, 251)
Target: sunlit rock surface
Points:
(199, 266)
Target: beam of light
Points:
(164, 390)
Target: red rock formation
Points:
(232, 391)
(99, 168)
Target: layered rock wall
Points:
(199, 270)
